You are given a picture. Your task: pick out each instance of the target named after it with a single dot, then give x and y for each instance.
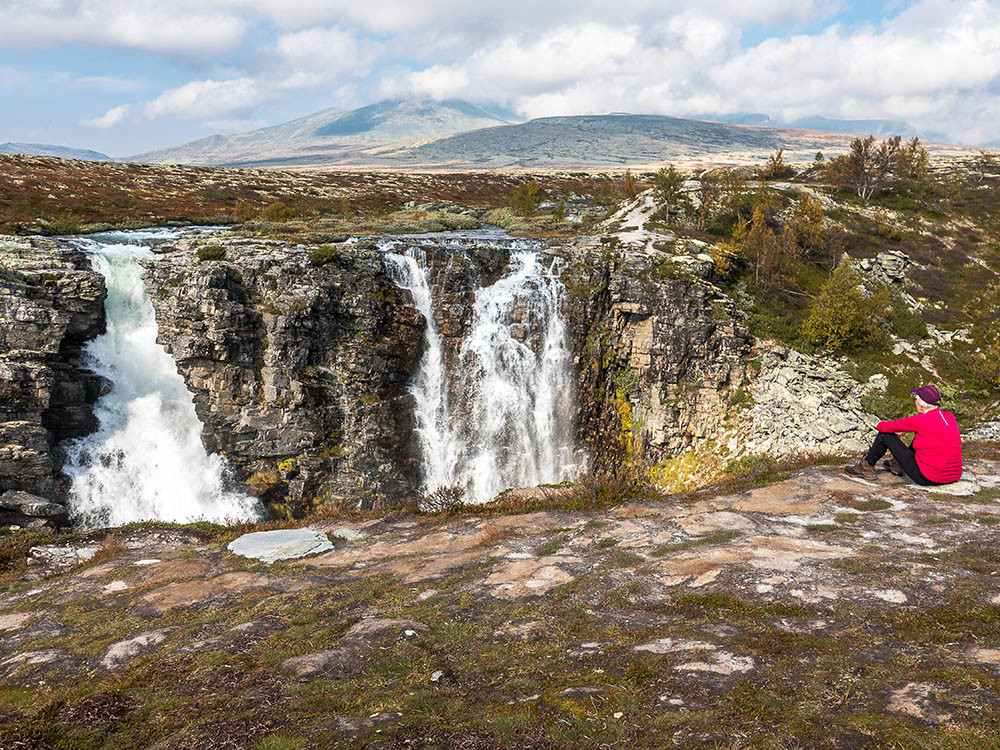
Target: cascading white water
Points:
(507, 423)
(146, 461)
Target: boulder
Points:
(280, 544)
(30, 505)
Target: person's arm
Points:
(906, 424)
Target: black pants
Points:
(904, 455)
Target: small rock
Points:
(917, 701)
(443, 676)
(14, 621)
(878, 381)
(580, 692)
(30, 505)
(720, 662)
(348, 535)
(893, 596)
(123, 651)
(61, 556)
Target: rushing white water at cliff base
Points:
(146, 461)
(503, 418)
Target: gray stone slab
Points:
(281, 544)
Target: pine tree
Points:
(843, 316)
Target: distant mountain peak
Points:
(45, 149)
(332, 132)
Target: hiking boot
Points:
(892, 465)
(862, 469)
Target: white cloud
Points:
(110, 118)
(102, 83)
(183, 28)
(936, 65)
(317, 56)
(395, 16)
(205, 99)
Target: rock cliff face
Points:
(51, 304)
(299, 369)
(299, 361)
(660, 350)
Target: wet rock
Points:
(298, 371)
(30, 505)
(280, 544)
(672, 344)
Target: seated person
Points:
(934, 456)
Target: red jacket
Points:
(937, 445)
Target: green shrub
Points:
(526, 197)
(906, 323)
(843, 317)
(277, 211)
(323, 254)
(211, 252)
(244, 211)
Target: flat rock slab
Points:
(281, 544)
(961, 488)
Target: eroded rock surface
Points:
(846, 595)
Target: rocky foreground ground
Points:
(816, 611)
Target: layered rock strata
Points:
(660, 350)
(298, 370)
(51, 304)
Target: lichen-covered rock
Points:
(51, 304)
(805, 404)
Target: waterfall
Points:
(146, 461)
(503, 417)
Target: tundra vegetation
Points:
(802, 258)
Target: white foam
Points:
(146, 461)
(508, 422)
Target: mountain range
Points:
(45, 149)
(881, 128)
(421, 133)
(334, 135)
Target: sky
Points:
(127, 76)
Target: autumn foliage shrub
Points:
(844, 316)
